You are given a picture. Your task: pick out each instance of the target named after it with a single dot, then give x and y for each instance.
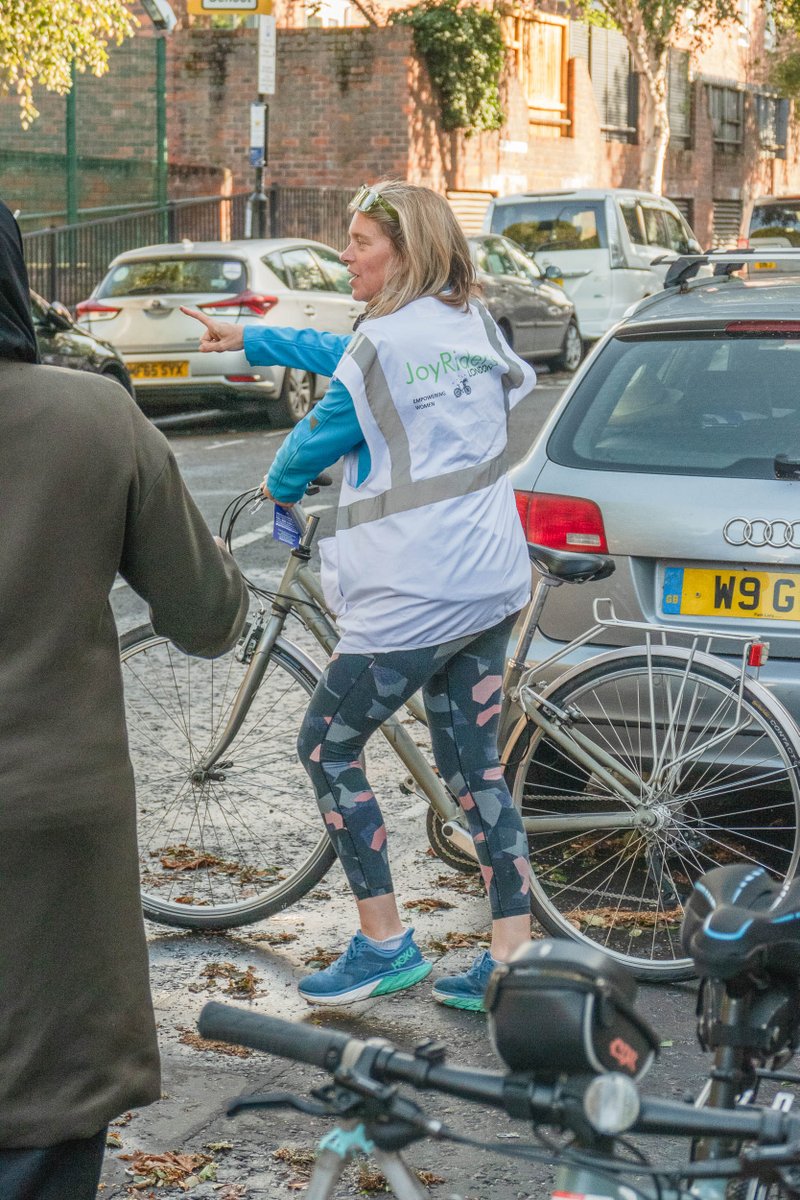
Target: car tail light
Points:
(763, 327)
(743, 243)
(562, 522)
(96, 311)
(256, 302)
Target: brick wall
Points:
(341, 113)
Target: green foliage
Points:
(463, 50)
(40, 40)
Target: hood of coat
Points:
(17, 336)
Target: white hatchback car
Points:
(613, 246)
(281, 281)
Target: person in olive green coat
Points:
(88, 488)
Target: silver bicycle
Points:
(634, 771)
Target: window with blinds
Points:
(726, 109)
(540, 46)
(614, 83)
(679, 99)
(772, 118)
(727, 220)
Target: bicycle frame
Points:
(300, 591)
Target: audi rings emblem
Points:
(778, 534)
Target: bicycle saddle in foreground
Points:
(739, 921)
(569, 567)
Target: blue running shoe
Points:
(466, 990)
(364, 971)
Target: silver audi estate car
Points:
(676, 450)
(277, 281)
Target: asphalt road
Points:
(263, 1155)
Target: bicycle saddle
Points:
(569, 567)
(739, 921)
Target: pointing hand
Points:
(218, 335)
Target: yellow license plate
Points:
(764, 266)
(158, 370)
(718, 592)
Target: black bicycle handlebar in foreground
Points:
(521, 1096)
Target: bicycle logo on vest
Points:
(462, 389)
(777, 534)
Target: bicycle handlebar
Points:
(303, 1043)
(521, 1096)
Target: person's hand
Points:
(267, 494)
(220, 542)
(218, 335)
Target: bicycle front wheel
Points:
(709, 781)
(240, 842)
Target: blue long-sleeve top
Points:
(331, 429)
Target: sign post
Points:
(256, 214)
(255, 221)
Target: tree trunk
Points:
(654, 128)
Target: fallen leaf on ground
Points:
(169, 1170)
(429, 1179)
(458, 941)
(458, 881)
(370, 1180)
(239, 982)
(301, 1160)
(113, 1139)
(189, 1038)
(428, 904)
(272, 939)
(125, 1119)
(320, 958)
(605, 918)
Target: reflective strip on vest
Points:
(405, 493)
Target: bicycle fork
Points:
(259, 662)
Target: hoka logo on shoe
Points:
(403, 958)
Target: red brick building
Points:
(354, 102)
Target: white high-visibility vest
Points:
(429, 547)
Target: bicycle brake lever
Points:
(278, 1100)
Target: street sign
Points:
(199, 8)
(257, 135)
(266, 56)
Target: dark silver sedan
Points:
(535, 314)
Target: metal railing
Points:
(66, 262)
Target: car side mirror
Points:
(554, 274)
(59, 315)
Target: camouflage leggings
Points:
(460, 683)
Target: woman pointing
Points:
(428, 569)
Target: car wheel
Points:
(296, 398)
(505, 329)
(571, 351)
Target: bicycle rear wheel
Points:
(708, 791)
(248, 841)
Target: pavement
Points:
(265, 1155)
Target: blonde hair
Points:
(431, 253)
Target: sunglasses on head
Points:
(366, 199)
